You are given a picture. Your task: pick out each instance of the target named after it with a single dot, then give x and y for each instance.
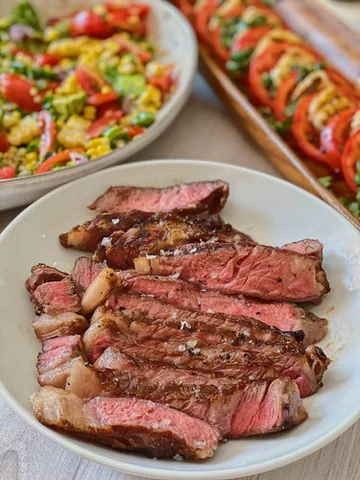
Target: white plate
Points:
(273, 212)
(170, 32)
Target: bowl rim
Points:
(166, 115)
(163, 473)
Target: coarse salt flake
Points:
(115, 221)
(106, 242)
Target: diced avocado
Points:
(130, 86)
(67, 105)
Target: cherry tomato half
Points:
(16, 89)
(48, 133)
(7, 172)
(90, 23)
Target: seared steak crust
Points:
(285, 316)
(42, 273)
(255, 270)
(208, 196)
(126, 423)
(219, 401)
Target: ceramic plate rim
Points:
(123, 466)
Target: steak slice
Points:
(157, 236)
(235, 326)
(56, 297)
(87, 236)
(254, 270)
(49, 326)
(233, 408)
(84, 273)
(127, 424)
(208, 196)
(308, 246)
(42, 273)
(284, 316)
(262, 362)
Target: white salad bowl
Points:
(174, 39)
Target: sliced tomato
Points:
(7, 172)
(90, 23)
(48, 132)
(163, 82)
(108, 118)
(349, 160)
(203, 14)
(283, 95)
(126, 45)
(90, 80)
(50, 59)
(16, 89)
(100, 98)
(4, 144)
(335, 135)
(216, 35)
(249, 39)
(307, 137)
(56, 159)
(344, 85)
(134, 131)
(122, 18)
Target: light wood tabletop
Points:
(204, 130)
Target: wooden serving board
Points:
(341, 47)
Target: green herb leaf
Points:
(24, 14)
(326, 181)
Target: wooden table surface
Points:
(204, 130)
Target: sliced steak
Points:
(233, 408)
(87, 236)
(56, 297)
(170, 232)
(42, 273)
(127, 424)
(68, 323)
(307, 246)
(254, 270)
(260, 363)
(83, 380)
(285, 316)
(84, 273)
(235, 326)
(208, 196)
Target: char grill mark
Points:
(261, 362)
(254, 270)
(184, 295)
(233, 408)
(126, 423)
(193, 197)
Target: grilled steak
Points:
(261, 362)
(168, 232)
(188, 197)
(285, 316)
(56, 359)
(233, 408)
(87, 236)
(49, 326)
(42, 273)
(56, 297)
(126, 424)
(234, 326)
(258, 271)
(84, 273)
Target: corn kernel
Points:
(50, 34)
(65, 63)
(10, 119)
(106, 89)
(31, 160)
(150, 98)
(99, 9)
(89, 113)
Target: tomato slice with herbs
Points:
(220, 31)
(350, 159)
(90, 23)
(17, 89)
(344, 86)
(109, 118)
(7, 172)
(307, 137)
(57, 159)
(335, 135)
(48, 132)
(203, 14)
(283, 95)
